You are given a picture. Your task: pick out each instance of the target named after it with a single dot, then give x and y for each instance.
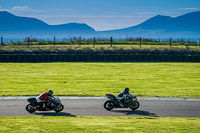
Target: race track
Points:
(94, 107)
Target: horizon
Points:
(101, 15)
(92, 27)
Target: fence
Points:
(111, 42)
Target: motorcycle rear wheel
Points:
(109, 105)
(30, 109)
(134, 105)
(60, 108)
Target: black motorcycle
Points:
(54, 104)
(130, 101)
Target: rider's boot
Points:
(44, 107)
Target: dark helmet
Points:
(126, 90)
(50, 92)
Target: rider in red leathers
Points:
(44, 98)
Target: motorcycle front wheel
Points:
(59, 108)
(30, 108)
(134, 105)
(109, 105)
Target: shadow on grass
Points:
(54, 114)
(137, 112)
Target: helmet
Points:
(126, 90)
(50, 92)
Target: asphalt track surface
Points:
(94, 107)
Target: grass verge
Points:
(99, 124)
(99, 49)
(97, 79)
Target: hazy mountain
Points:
(187, 25)
(12, 25)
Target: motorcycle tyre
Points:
(109, 102)
(136, 107)
(62, 107)
(27, 109)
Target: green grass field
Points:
(97, 79)
(99, 124)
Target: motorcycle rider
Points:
(44, 97)
(122, 95)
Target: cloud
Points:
(187, 9)
(21, 8)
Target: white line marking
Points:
(77, 97)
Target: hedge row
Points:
(99, 57)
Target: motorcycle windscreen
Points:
(133, 95)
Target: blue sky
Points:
(99, 14)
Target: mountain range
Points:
(187, 25)
(14, 26)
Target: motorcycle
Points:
(130, 101)
(54, 104)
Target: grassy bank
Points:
(99, 49)
(97, 79)
(99, 124)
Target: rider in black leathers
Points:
(121, 96)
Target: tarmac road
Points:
(94, 107)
